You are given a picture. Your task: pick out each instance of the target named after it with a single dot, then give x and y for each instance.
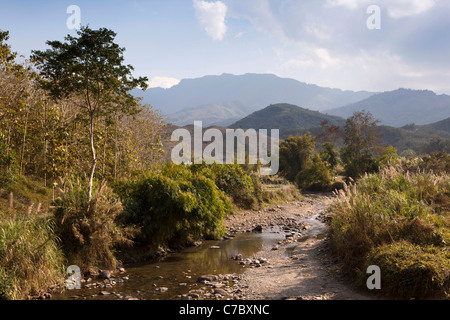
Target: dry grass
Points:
(382, 214)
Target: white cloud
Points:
(405, 8)
(396, 8)
(163, 82)
(211, 16)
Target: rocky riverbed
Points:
(291, 260)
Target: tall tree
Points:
(90, 69)
(295, 152)
(360, 144)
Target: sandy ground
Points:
(303, 269)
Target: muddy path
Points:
(303, 268)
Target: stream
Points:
(177, 273)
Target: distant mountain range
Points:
(293, 120)
(401, 107)
(239, 95)
(226, 99)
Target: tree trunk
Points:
(93, 154)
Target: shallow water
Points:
(183, 267)
(179, 272)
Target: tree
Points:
(360, 143)
(90, 71)
(330, 155)
(295, 152)
(316, 176)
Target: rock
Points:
(183, 284)
(275, 248)
(186, 297)
(221, 292)
(104, 293)
(258, 228)
(121, 270)
(193, 295)
(104, 274)
(214, 247)
(47, 295)
(209, 278)
(162, 289)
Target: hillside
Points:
(293, 120)
(286, 118)
(211, 114)
(255, 91)
(401, 107)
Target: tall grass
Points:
(88, 229)
(30, 258)
(399, 221)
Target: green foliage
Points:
(88, 228)
(410, 270)
(399, 220)
(388, 157)
(176, 203)
(295, 152)
(231, 179)
(330, 155)
(316, 176)
(360, 142)
(30, 258)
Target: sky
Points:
(373, 45)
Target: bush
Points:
(30, 258)
(88, 229)
(410, 270)
(233, 180)
(315, 177)
(372, 217)
(175, 203)
(295, 153)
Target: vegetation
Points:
(30, 259)
(174, 205)
(360, 142)
(400, 221)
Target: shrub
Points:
(175, 203)
(410, 270)
(384, 213)
(295, 152)
(30, 258)
(88, 229)
(233, 180)
(315, 177)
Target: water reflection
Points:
(178, 272)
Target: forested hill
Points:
(286, 117)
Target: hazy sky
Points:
(325, 42)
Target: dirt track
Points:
(304, 269)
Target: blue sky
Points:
(325, 42)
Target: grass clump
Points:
(399, 221)
(30, 258)
(89, 229)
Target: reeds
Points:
(383, 214)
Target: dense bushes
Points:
(30, 258)
(399, 221)
(176, 203)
